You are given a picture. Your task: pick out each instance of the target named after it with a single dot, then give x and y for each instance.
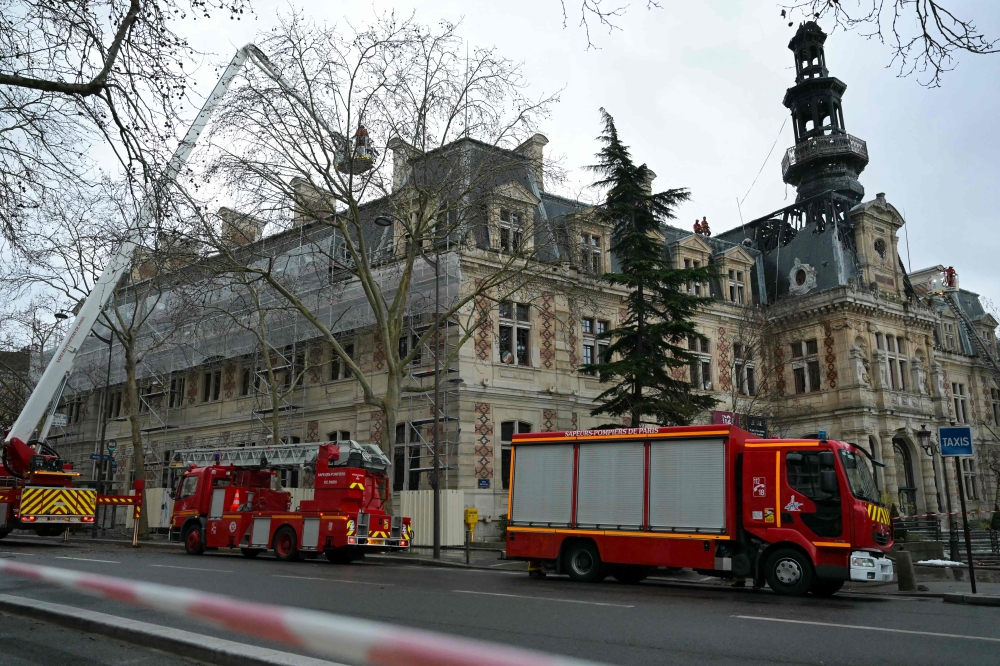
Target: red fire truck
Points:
(234, 506)
(801, 515)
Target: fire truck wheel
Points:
(788, 572)
(194, 542)
(4, 533)
(251, 552)
(825, 588)
(286, 547)
(583, 562)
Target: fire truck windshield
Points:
(859, 477)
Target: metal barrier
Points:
(333, 636)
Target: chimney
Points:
(532, 149)
(238, 228)
(648, 186)
(402, 154)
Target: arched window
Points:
(906, 487)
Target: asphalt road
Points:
(27, 642)
(656, 622)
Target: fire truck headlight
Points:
(866, 562)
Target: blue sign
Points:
(484, 483)
(955, 441)
(97, 456)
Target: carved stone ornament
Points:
(860, 365)
(801, 279)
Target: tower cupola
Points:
(825, 157)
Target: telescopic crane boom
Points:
(22, 453)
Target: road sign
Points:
(955, 441)
(723, 418)
(98, 456)
(112, 445)
(756, 425)
(484, 483)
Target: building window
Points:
(176, 398)
(969, 477)
(507, 430)
(406, 343)
(737, 288)
(949, 337)
(961, 404)
(340, 370)
(805, 366)
(211, 386)
(695, 288)
(700, 368)
(515, 333)
(746, 373)
(339, 436)
(114, 406)
(995, 403)
(247, 381)
(590, 253)
(511, 232)
(406, 458)
(73, 409)
(895, 347)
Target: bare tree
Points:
(74, 76)
(352, 235)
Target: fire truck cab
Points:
(804, 516)
(235, 506)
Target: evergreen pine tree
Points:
(651, 341)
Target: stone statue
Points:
(860, 364)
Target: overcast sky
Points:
(696, 89)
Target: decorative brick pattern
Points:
(191, 392)
(680, 373)
(626, 421)
(571, 338)
(831, 355)
(779, 369)
(378, 354)
(315, 374)
(548, 420)
(229, 381)
(312, 431)
(547, 334)
(484, 332)
(725, 372)
(484, 442)
(375, 429)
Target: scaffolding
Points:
(204, 323)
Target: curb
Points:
(182, 643)
(423, 561)
(972, 599)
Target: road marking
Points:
(167, 566)
(523, 596)
(863, 628)
(335, 580)
(16, 552)
(86, 559)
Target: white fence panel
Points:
(418, 506)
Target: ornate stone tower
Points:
(825, 157)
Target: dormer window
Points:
(511, 232)
(737, 288)
(590, 253)
(695, 288)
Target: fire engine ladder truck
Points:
(21, 452)
(978, 345)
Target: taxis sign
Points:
(955, 441)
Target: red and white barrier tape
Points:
(333, 636)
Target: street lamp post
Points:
(386, 221)
(931, 449)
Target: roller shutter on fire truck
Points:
(608, 495)
(687, 485)
(543, 485)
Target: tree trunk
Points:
(138, 451)
(390, 412)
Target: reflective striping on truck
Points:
(58, 502)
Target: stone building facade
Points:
(814, 324)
